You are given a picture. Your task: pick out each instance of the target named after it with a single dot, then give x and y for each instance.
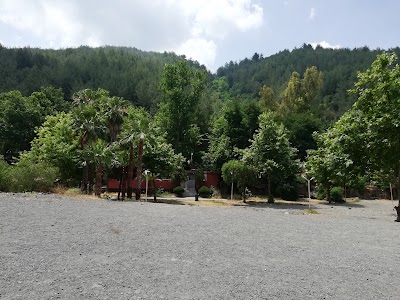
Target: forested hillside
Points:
(126, 72)
(338, 66)
(92, 111)
(135, 75)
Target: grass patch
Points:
(352, 201)
(311, 212)
(72, 192)
(59, 189)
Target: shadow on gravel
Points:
(350, 205)
(276, 205)
(173, 201)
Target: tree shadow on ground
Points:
(344, 204)
(275, 205)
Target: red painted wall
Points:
(166, 184)
(212, 179)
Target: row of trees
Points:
(98, 134)
(339, 66)
(249, 142)
(363, 146)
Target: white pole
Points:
(232, 191)
(309, 190)
(146, 172)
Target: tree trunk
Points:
(130, 173)
(99, 173)
(398, 194)
(270, 197)
(123, 183)
(139, 170)
(85, 177)
(328, 192)
(120, 184)
(154, 190)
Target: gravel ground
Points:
(54, 247)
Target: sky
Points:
(213, 32)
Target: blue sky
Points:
(213, 32)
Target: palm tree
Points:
(137, 122)
(100, 153)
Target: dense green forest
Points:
(126, 72)
(77, 114)
(135, 75)
(339, 68)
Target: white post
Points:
(232, 191)
(146, 172)
(309, 190)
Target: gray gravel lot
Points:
(54, 247)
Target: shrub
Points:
(4, 175)
(179, 176)
(28, 176)
(204, 192)
(288, 191)
(337, 194)
(178, 191)
(320, 192)
(214, 192)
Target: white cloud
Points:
(313, 13)
(55, 23)
(212, 21)
(325, 44)
(193, 27)
(200, 49)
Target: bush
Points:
(4, 175)
(288, 191)
(179, 176)
(337, 194)
(320, 192)
(204, 192)
(178, 191)
(28, 176)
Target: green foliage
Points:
(288, 190)
(182, 88)
(204, 192)
(338, 66)
(268, 101)
(337, 194)
(238, 172)
(29, 176)
(178, 176)
(178, 191)
(127, 72)
(364, 142)
(18, 118)
(301, 127)
(378, 107)
(20, 115)
(4, 177)
(159, 156)
(231, 130)
(271, 153)
(56, 143)
(292, 97)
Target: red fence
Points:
(211, 179)
(166, 184)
